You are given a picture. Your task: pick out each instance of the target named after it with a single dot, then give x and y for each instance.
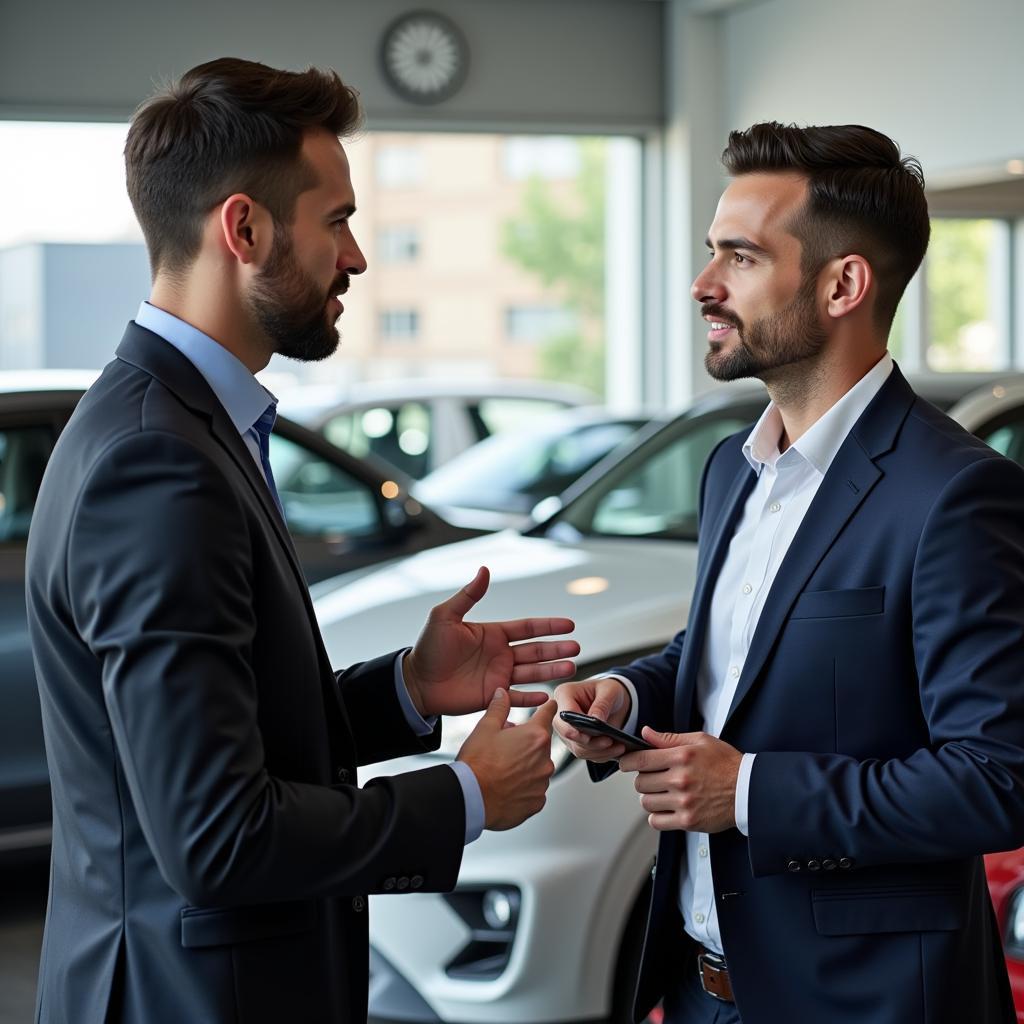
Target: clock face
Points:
(424, 57)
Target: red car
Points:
(1006, 884)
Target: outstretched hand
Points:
(456, 666)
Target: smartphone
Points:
(595, 727)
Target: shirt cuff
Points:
(420, 726)
(473, 798)
(743, 793)
(634, 713)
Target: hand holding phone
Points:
(596, 727)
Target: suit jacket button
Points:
(814, 864)
(846, 863)
(358, 904)
(416, 882)
(403, 884)
(792, 865)
(829, 864)
(341, 775)
(389, 884)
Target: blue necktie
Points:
(263, 426)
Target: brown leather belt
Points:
(714, 975)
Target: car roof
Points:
(12, 381)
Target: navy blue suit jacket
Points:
(883, 695)
(211, 852)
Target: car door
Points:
(27, 436)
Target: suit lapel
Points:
(724, 520)
(849, 480)
(151, 354)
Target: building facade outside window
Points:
(398, 244)
(399, 324)
(538, 323)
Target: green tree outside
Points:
(563, 244)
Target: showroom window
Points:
(398, 244)
(399, 324)
(538, 323)
(399, 166)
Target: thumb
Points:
(497, 711)
(668, 739)
(458, 605)
(544, 716)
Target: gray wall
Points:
(556, 64)
(66, 306)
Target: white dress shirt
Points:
(786, 484)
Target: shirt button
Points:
(747, 588)
(703, 851)
(341, 775)
(699, 918)
(734, 672)
(774, 506)
(358, 904)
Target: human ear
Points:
(246, 228)
(850, 280)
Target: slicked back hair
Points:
(863, 197)
(226, 126)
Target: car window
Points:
(1006, 435)
(658, 495)
(320, 499)
(399, 434)
(24, 452)
(497, 415)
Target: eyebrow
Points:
(737, 243)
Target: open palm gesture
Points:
(456, 666)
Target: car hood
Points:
(624, 595)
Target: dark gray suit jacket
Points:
(211, 852)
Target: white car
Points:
(417, 425)
(546, 924)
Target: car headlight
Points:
(457, 728)
(1013, 935)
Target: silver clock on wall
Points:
(424, 57)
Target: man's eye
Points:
(740, 258)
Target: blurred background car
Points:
(497, 483)
(343, 513)
(546, 923)
(418, 425)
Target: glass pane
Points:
(659, 497)
(320, 499)
(1007, 438)
(501, 414)
(24, 452)
(967, 278)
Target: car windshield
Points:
(513, 471)
(654, 491)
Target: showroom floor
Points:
(22, 906)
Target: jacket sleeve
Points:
(963, 794)
(161, 581)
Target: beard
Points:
(291, 308)
(794, 334)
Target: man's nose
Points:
(706, 287)
(351, 259)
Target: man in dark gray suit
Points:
(212, 851)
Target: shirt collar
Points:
(820, 444)
(244, 398)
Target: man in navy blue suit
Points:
(839, 731)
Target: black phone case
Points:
(595, 727)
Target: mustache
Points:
(720, 313)
(340, 285)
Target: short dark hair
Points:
(863, 197)
(226, 126)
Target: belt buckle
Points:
(711, 962)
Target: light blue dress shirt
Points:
(245, 400)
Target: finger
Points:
(652, 782)
(646, 760)
(527, 698)
(663, 821)
(544, 716)
(608, 699)
(545, 673)
(669, 739)
(528, 629)
(658, 803)
(497, 710)
(525, 654)
(458, 605)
